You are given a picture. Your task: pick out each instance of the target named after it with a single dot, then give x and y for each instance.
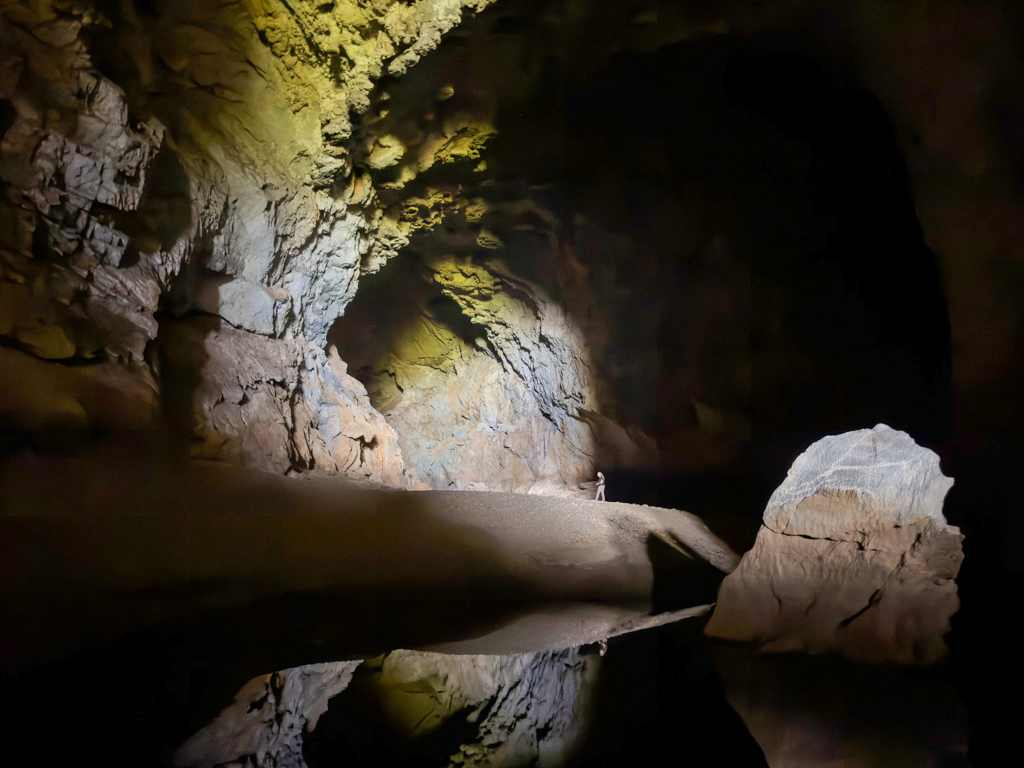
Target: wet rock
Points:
(854, 556)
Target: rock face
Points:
(514, 710)
(165, 164)
(279, 404)
(854, 556)
(496, 409)
(218, 175)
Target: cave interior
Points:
(473, 246)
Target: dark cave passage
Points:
(742, 219)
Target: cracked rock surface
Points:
(490, 401)
(854, 556)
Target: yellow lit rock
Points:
(489, 240)
(387, 151)
(465, 279)
(46, 341)
(425, 213)
(467, 138)
(475, 210)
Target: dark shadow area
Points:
(178, 359)
(680, 581)
(773, 151)
(164, 212)
(984, 650)
(660, 700)
(357, 726)
(823, 709)
(725, 500)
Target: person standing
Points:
(600, 487)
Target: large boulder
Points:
(854, 556)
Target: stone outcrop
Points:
(280, 404)
(854, 556)
(167, 164)
(527, 709)
(163, 163)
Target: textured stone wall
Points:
(180, 188)
(501, 409)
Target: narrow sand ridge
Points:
(342, 571)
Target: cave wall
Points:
(503, 408)
(194, 193)
(255, 162)
(245, 242)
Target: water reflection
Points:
(609, 704)
(204, 581)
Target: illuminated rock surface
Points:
(499, 410)
(854, 556)
(250, 207)
(197, 193)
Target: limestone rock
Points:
(499, 410)
(280, 405)
(361, 443)
(854, 556)
(258, 103)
